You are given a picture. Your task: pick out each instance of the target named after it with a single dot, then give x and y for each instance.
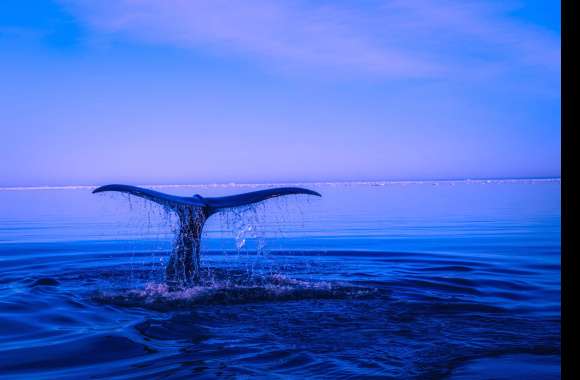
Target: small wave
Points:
(45, 281)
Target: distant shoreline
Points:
(305, 183)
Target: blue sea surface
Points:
(394, 280)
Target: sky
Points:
(186, 91)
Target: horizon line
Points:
(314, 183)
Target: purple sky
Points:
(170, 91)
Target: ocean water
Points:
(394, 280)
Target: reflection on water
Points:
(405, 280)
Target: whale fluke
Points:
(184, 263)
(210, 204)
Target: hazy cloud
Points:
(388, 38)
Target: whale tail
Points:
(210, 204)
(184, 264)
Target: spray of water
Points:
(251, 229)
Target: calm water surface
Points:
(456, 280)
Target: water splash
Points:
(249, 227)
(235, 287)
